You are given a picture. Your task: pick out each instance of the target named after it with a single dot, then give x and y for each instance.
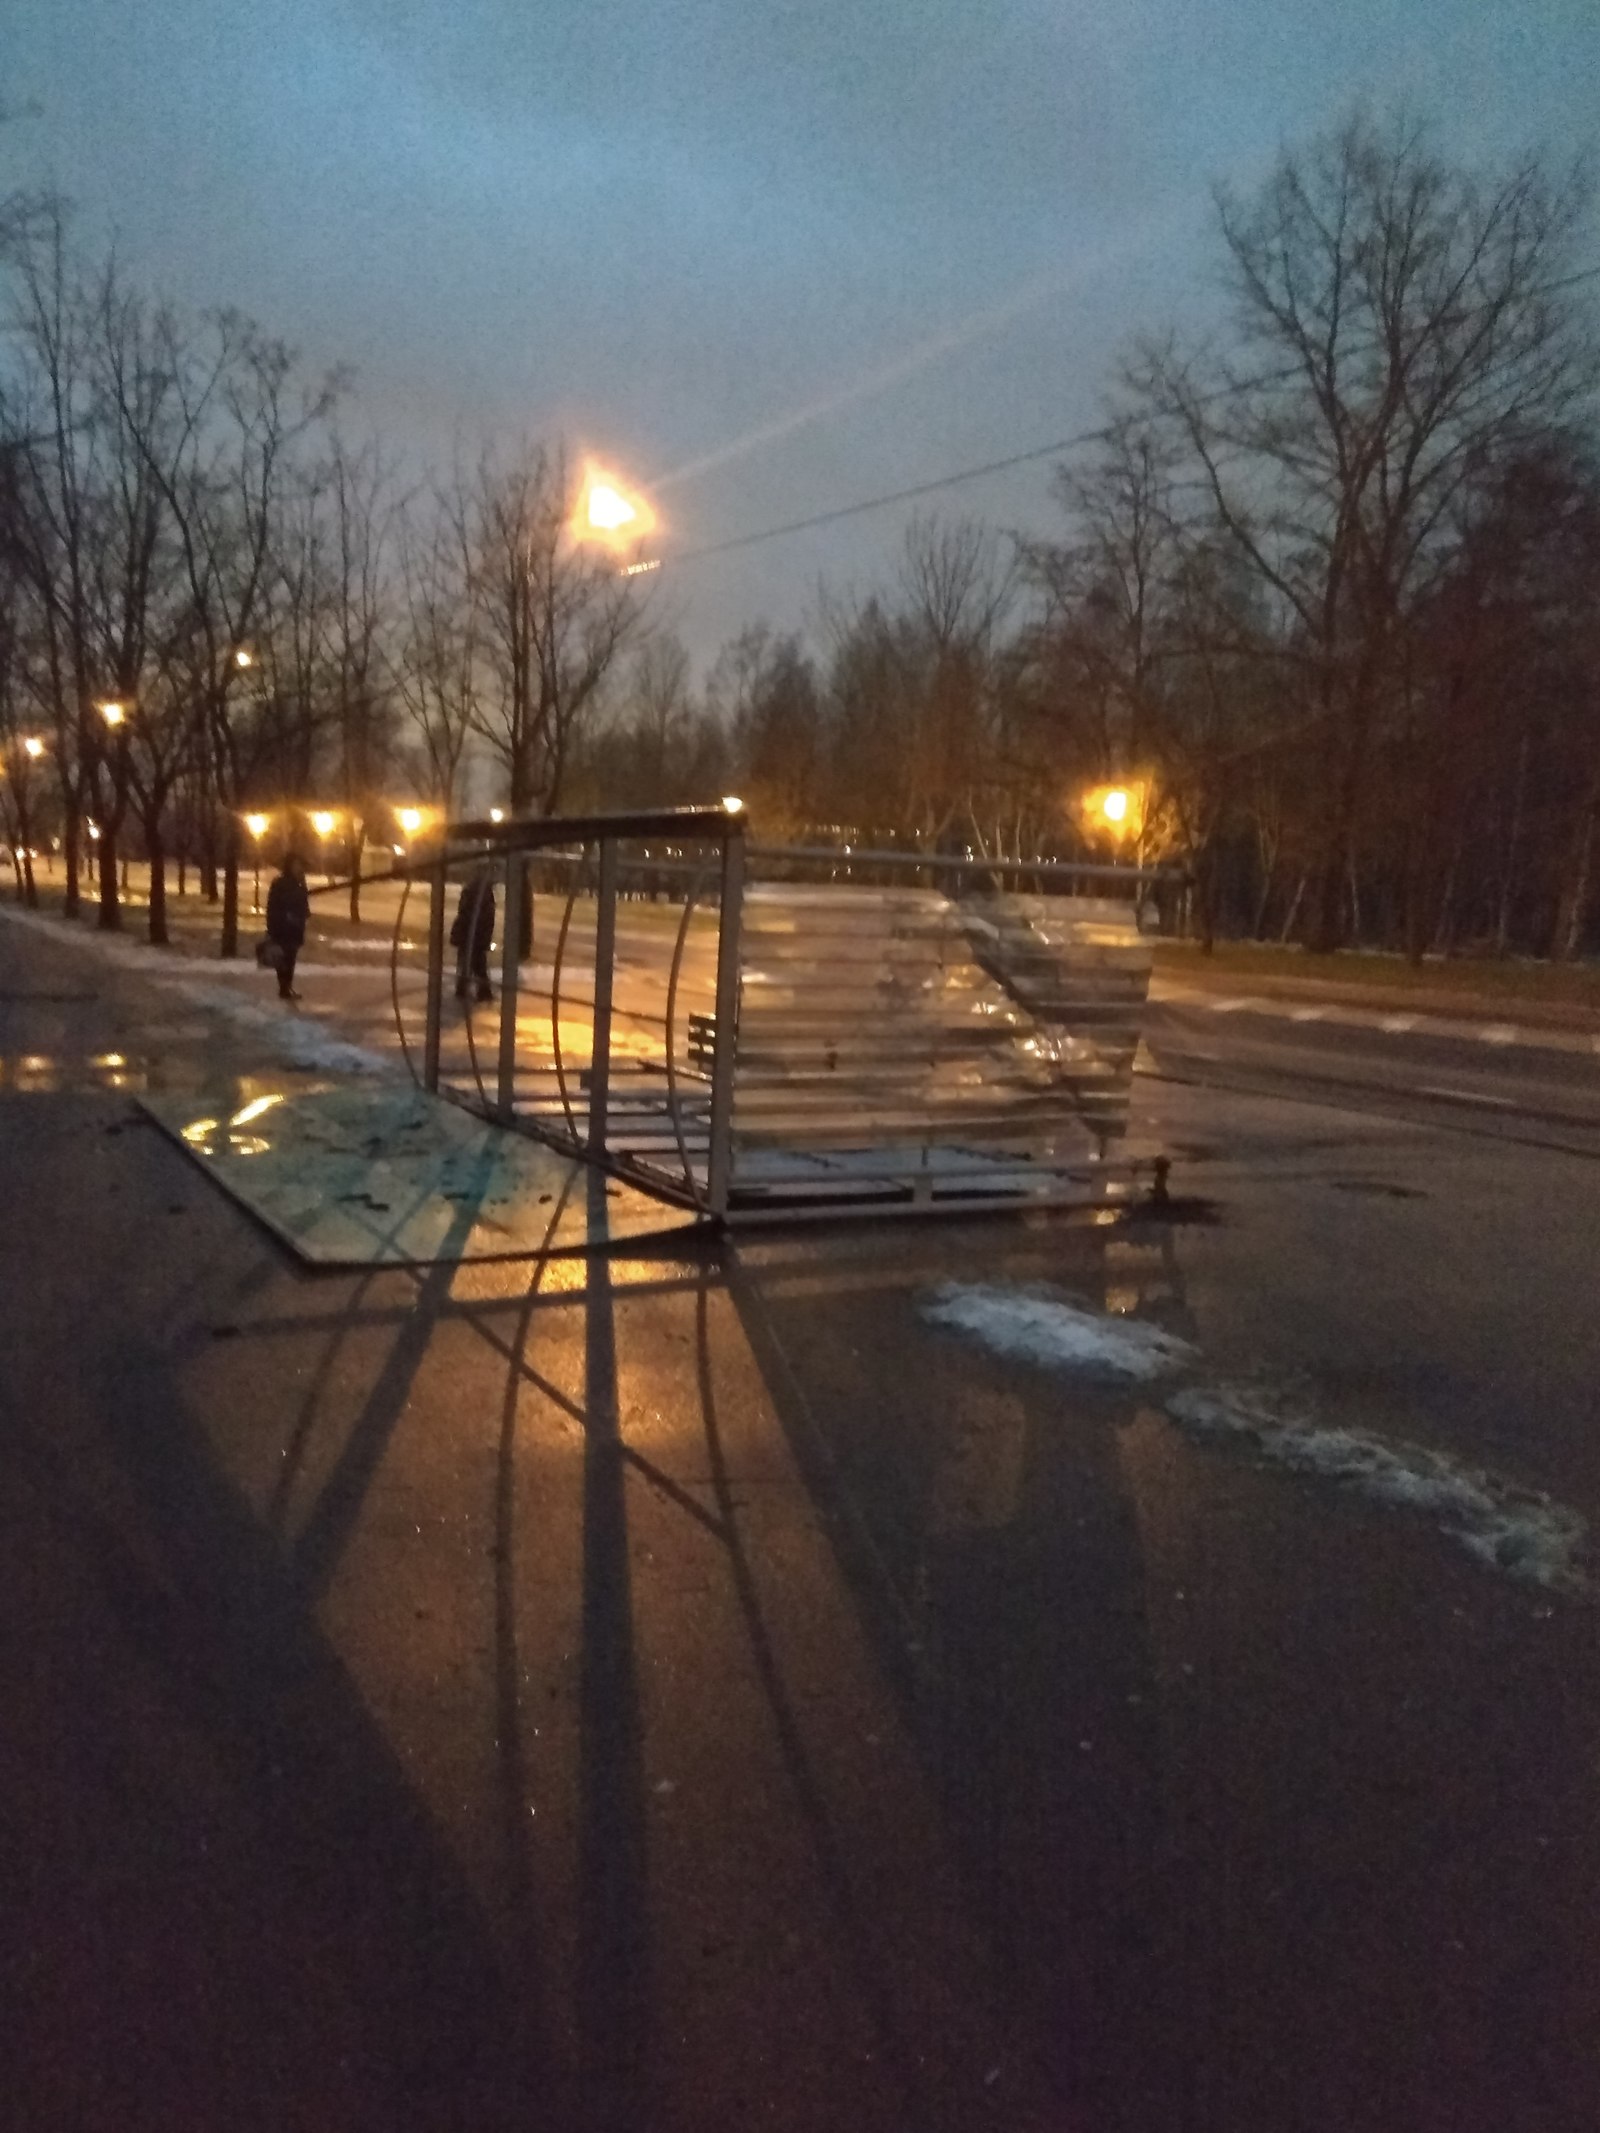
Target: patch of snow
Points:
(301, 1039)
(1519, 1531)
(1038, 1325)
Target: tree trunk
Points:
(72, 898)
(1508, 871)
(230, 899)
(358, 844)
(1572, 905)
(110, 917)
(158, 883)
(1206, 897)
(208, 857)
(183, 869)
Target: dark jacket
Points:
(288, 909)
(475, 910)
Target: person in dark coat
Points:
(472, 934)
(288, 910)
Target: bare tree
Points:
(553, 617)
(1399, 323)
(244, 417)
(435, 662)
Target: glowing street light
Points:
(243, 657)
(732, 804)
(497, 814)
(33, 747)
(609, 511)
(410, 819)
(324, 820)
(112, 711)
(1118, 809)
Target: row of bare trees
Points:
(213, 604)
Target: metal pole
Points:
(510, 943)
(435, 1008)
(720, 1159)
(605, 953)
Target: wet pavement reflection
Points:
(68, 1073)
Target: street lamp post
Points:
(257, 825)
(115, 714)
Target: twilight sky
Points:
(769, 256)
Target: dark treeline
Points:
(1325, 597)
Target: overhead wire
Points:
(1100, 434)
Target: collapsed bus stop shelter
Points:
(757, 1032)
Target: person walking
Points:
(288, 911)
(472, 934)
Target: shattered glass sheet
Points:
(365, 1176)
(890, 1019)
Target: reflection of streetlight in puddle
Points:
(255, 1110)
(202, 1134)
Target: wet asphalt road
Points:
(1493, 1076)
(696, 1691)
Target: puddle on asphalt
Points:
(70, 1073)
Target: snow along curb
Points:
(1515, 1530)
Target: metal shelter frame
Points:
(702, 1119)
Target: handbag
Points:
(268, 954)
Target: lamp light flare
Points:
(112, 712)
(497, 814)
(324, 821)
(243, 657)
(410, 819)
(1117, 809)
(258, 825)
(33, 747)
(610, 511)
(732, 804)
